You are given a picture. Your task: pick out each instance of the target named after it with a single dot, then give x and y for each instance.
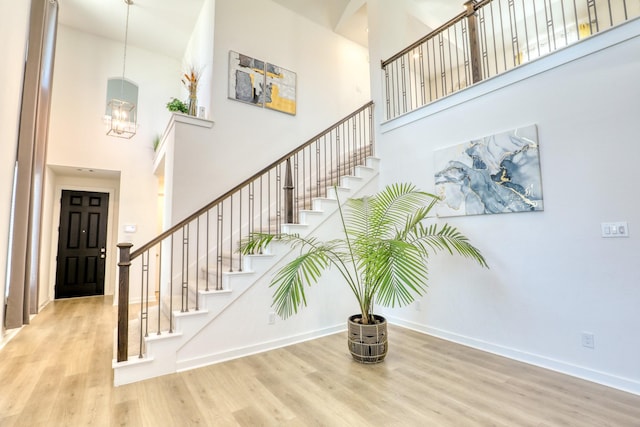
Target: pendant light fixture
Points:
(121, 109)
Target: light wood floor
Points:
(57, 372)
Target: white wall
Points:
(14, 20)
(391, 29)
(552, 275)
(332, 81)
(190, 150)
(243, 328)
(77, 134)
(199, 54)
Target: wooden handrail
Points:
(235, 189)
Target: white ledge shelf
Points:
(176, 118)
(185, 118)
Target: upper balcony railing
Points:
(489, 38)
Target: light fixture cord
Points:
(124, 61)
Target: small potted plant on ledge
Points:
(382, 256)
(177, 106)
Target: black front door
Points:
(81, 244)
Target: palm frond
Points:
(382, 255)
(402, 275)
(447, 238)
(256, 243)
(290, 281)
(392, 205)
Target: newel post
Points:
(288, 193)
(474, 43)
(123, 301)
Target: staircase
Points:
(194, 340)
(191, 279)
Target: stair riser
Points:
(162, 351)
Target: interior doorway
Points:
(82, 238)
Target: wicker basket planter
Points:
(368, 343)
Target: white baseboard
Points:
(609, 380)
(210, 359)
(7, 335)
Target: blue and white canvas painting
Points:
(495, 174)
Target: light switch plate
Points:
(614, 229)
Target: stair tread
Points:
(309, 203)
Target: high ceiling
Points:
(166, 25)
(157, 25)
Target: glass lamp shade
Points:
(123, 118)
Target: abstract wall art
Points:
(246, 79)
(281, 89)
(495, 174)
(259, 83)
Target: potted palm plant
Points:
(382, 256)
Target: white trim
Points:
(8, 335)
(210, 359)
(624, 384)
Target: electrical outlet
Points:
(272, 318)
(418, 308)
(588, 340)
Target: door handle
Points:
(102, 250)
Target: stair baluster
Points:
(264, 202)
